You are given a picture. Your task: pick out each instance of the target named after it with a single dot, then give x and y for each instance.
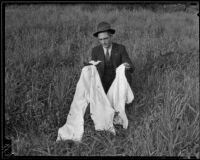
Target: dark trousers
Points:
(107, 81)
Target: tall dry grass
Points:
(45, 47)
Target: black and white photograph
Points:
(100, 79)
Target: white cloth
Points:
(89, 89)
(120, 93)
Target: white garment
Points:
(89, 89)
(120, 93)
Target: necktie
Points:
(107, 55)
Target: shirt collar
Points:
(109, 49)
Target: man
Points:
(111, 56)
(102, 112)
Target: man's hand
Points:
(95, 62)
(127, 66)
(91, 63)
(86, 64)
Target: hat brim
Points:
(112, 31)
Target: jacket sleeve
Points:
(93, 57)
(125, 58)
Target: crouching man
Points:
(111, 56)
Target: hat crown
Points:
(103, 26)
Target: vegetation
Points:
(45, 47)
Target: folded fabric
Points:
(89, 89)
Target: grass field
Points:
(45, 47)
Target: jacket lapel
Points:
(101, 55)
(113, 56)
(102, 59)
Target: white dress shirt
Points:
(109, 50)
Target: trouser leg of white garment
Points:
(74, 126)
(119, 94)
(101, 110)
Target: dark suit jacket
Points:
(119, 55)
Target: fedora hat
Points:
(103, 27)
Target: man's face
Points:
(105, 39)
